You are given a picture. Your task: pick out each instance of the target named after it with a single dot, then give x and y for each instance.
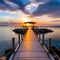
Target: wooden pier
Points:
(31, 49)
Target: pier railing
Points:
(13, 46)
(10, 52)
(50, 51)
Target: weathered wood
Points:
(31, 49)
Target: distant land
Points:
(10, 24)
(21, 24)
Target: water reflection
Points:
(55, 36)
(6, 34)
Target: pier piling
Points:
(13, 44)
(39, 37)
(49, 45)
(19, 39)
(43, 38)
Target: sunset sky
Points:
(44, 12)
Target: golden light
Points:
(27, 39)
(26, 20)
(27, 24)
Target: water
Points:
(55, 36)
(6, 35)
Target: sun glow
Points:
(27, 24)
(26, 20)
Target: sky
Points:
(44, 12)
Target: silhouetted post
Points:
(43, 38)
(19, 39)
(39, 36)
(20, 36)
(49, 45)
(13, 44)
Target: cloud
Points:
(55, 14)
(31, 8)
(51, 8)
(3, 5)
(39, 0)
(5, 17)
(20, 3)
(56, 21)
(42, 0)
(13, 4)
(1, 1)
(6, 5)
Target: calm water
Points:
(6, 35)
(55, 36)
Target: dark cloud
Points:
(52, 8)
(42, 0)
(19, 3)
(5, 6)
(1, 1)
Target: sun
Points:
(27, 24)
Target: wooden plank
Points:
(31, 49)
(3, 58)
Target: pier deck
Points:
(30, 48)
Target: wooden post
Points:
(39, 36)
(19, 39)
(49, 45)
(43, 38)
(13, 44)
